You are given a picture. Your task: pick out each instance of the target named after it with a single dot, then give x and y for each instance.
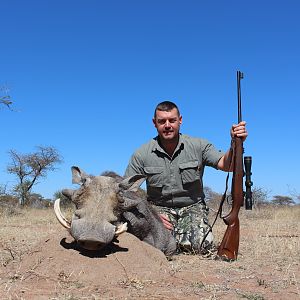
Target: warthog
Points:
(108, 205)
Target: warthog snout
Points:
(92, 236)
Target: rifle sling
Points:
(219, 212)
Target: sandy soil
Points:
(131, 269)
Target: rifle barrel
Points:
(240, 76)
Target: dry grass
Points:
(269, 247)
(268, 265)
(21, 229)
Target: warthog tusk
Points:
(121, 229)
(60, 217)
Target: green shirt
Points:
(174, 181)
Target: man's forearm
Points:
(224, 163)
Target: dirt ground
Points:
(40, 261)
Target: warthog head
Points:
(99, 202)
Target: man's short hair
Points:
(166, 106)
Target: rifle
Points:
(228, 249)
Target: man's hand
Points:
(166, 221)
(239, 130)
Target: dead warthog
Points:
(107, 206)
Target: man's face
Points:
(167, 124)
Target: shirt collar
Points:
(157, 146)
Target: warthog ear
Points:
(132, 183)
(78, 176)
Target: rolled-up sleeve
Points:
(211, 155)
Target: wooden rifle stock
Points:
(229, 247)
(228, 250)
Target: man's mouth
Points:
(168, 132)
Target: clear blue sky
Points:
(85, 77)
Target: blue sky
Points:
(85, 77)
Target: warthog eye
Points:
(77, 214)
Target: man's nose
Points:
(167, 124)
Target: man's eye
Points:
(161, 122)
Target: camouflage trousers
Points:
(191, 227)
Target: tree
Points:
(259, 196)
(282, 200)
(30, 167)
(295, 195)
(5, 100)
(212, 198)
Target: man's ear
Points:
(154, 122)
(180, 120)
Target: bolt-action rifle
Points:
(228, 250)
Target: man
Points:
(173, 164)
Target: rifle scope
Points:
(248, 182)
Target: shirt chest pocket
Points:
(189, 171)
(155, 176)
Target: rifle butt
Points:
(228, 249)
